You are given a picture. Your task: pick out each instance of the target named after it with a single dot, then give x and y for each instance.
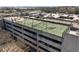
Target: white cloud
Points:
(39, 3)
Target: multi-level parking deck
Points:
(41, 35)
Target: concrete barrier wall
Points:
(70, 43)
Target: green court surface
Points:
(52, 28)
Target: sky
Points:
(39, 3)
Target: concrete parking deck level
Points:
(52, 28)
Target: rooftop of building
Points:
(52, 28)
(76, 33)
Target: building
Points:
(43, 35)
